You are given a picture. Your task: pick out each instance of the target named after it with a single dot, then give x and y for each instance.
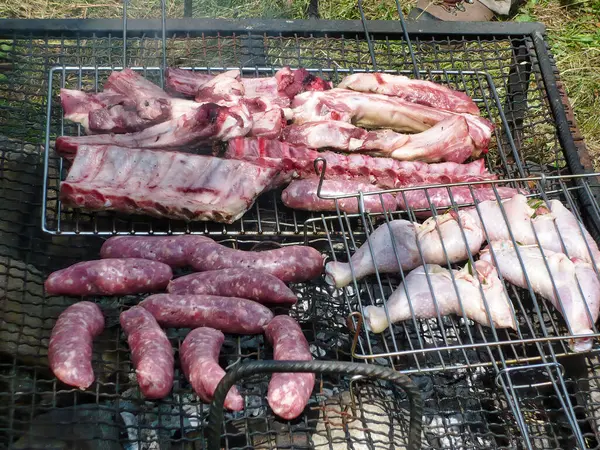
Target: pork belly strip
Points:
(279, 89)
(208, 122)
(164, 184)
(448, 140)
(439, 198)
(381, 111)
(416, 91)
(384, 172)
(302, 194)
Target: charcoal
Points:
(88, 427)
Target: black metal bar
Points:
(364, 21)
(215, 419)
(187, 8)
(564, 134)
(137, 27)
(517, 87)
(407, 39)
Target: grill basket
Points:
(481, 388)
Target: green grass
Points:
(574, 35)
(573, 32)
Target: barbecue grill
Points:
(480, 387)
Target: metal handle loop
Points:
(401, 380)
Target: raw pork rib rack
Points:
(482, 387)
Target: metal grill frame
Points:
(550, 366)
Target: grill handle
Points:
(401, 380)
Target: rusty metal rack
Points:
(481, 388)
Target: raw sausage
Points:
(171, 250)
(151, 352)
(110, 277)
(288, 393)
(199, 355)
(252, 284)
(228, 314)
(290, 264)
(70, 346)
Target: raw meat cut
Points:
(447, 140)
(440, 199)
(151, 352)
(417, 91)
(386, 173)
(532, 221)
(208, 122)
(294, 263)
(572, 286)
(225, 87)
(451, 292)
(381, 111)
(285, 85)
(70, 346)
(228, 314)
(77, 105)
(164, 184)
(185, 82)
(302, 194)
(129, 103)
(113, 276)
(268, 119)
(172, 250)
(252, 284)
(413, 245)
(199, 355)
(288, 393)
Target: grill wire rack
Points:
(482, 388)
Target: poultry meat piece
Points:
(412, 245)
(431, 290)
(571, 285)
(555, 227)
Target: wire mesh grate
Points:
(442, 341)
(467, 407)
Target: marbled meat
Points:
(386, 173)
(199, 355)
(228, 314)
(302, 194)
(70, 346)
(416, 91)
(112, 276)
(151, 352)
(252, 284)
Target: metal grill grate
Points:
(488, 400)
(446, 342)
